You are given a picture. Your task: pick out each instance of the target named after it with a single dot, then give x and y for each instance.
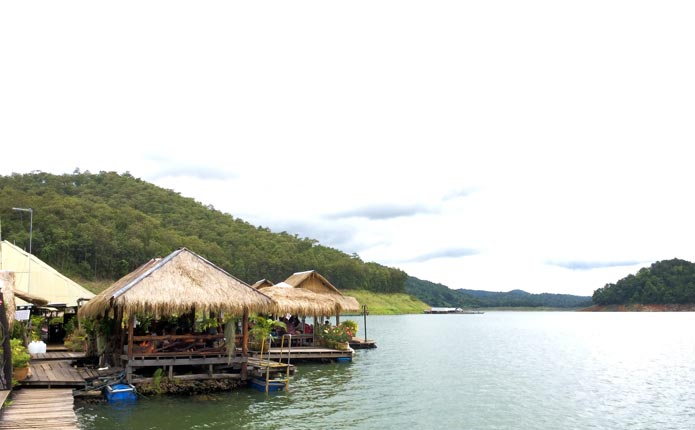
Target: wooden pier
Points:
(47, 409)
(55, 369)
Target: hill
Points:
(664, 282)
(103, 226)
(441, 295)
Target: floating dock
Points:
(306, 353)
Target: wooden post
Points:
(6, 349)
(244, 344)
(131, 329)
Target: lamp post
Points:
(31, 230)
(31, 222)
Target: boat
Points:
(451, 311)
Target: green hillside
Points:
(102, 226)
(664, 282)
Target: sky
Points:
(491, 145)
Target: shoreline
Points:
(641, 308)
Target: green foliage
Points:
(20, 354)
(124, 222)
(262, 328)
(37, 321)
(350, 326)
(77, 340)
(664, 282)
(157, 380)
(439, 295)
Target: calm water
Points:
(499, 370)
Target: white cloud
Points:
(528, 132)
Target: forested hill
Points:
(441, 295)
(664, 282)
(102, 226)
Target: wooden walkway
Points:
(56, 373)
(40, 409)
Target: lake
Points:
(498, 370)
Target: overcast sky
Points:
(494, 145)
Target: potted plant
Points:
(20, 359)
(261, 330)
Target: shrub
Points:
(20, 354)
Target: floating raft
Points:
(40, 409)
(357, 343)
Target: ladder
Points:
(269, 364)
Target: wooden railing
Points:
(184, 344)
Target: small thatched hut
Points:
(298, 301)
(314, 281)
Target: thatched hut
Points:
(298, 301)
(314, 281)
(262, 284)
(181, 283)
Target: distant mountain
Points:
(439, 295)
(664, 282)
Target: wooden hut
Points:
(179, 284)
(314, 281)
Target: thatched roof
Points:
(299, 301)
(175, 284)
(262, 284)
(314, 281)
(7, 288)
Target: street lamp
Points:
(31, 229)
(31, 222)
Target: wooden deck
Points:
(305, 353)
(57, 355)
(40, 409)
(57, 373)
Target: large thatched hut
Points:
(179, 284)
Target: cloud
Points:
(444, 253)
(172, 169)
(382, 212)
(589, 265)
(460, 193)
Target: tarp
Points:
(37, 278)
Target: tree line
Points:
(439, 295)
(664, 282)
(103, 226)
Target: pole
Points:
(31, 233)
(365, 312)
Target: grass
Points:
(388, 304)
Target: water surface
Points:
(499, 370)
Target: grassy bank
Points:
(388, 304)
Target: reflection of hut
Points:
(314, 281)
(179, 284)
